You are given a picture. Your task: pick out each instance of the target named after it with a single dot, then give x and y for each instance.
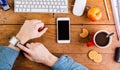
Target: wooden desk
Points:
(11, 22)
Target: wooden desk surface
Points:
(11, 22)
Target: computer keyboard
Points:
(41, 6)
(116, 14)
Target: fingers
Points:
(23, 48)
(40, 44)
(41, 25)
(28, 56)
(40, 29)
(42, 32)
(28, 45)
(37, 43)
(36, 21)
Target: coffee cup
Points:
(100, 39)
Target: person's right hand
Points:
(38, 53)
(30, 30)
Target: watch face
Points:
(14, 41)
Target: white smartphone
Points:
(63, 30)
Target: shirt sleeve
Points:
(7, 57)
(67, 63)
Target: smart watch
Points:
(14, 41)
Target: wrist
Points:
(13, 47)
(22, 38)
(13, 43)
(51, 60)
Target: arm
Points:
(38, 53)
(29, 30)
(7, 57)
(67, 63)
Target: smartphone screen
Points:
(63, 30)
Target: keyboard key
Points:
(25, 6)
(16, 10)
(28, 6)
(23, 2)
(30, 3)
(39, 10)
(20, 10)
(17, 2)
(27, 10)
(24, 10)
(21, 6)
(17, 6)
(54, 6)
(63, 7)
(50, 10)
(35, 6)
(39, 6)
(55, 10)
(32, 6)
(46, 6)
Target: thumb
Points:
(23, 48)
(43, 31)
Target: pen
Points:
(107, 9)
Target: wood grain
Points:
(11, 22)
(77, 45)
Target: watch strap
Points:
(14, 41)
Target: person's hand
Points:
(29, 30)
(38, 53)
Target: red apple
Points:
(94, 14)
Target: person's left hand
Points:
(30, 30)
(37, 52)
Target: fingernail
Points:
(40, 29)
(46, 28)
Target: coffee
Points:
(101, 39)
